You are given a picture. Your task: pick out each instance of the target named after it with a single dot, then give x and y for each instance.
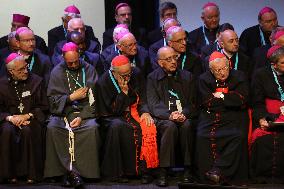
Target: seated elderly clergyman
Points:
(72, 139)
(171, 100)
(23, 105)
(130, 136)
(267, 152)
(221, 136)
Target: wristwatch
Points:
(222, 96)
(31, 115)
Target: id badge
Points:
(179, 107)
(91, 96)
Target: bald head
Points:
(167, 59)
(127, 45)
(229, 41)
(211, 16)
(25, 41)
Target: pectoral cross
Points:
(21, 107)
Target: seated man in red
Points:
(267, 150)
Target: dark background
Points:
(142, 13)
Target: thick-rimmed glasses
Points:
(169, 59)
(221, 70)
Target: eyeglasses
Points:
(180, 40)
(170, 15)
(169, 59)
(221, 70)
(131, 45)
(23, 69)
(125, 76)
(27, 40)
(125, 14)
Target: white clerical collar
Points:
(227, 54)
(25, 56)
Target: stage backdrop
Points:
(46, 14)
(240, 13)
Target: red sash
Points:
(223, 90)
(272, 106)
(149, 148)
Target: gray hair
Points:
(73, 20)
(12, 35)
(171, 31)
(276, 55)
(72, 15)
(11, 64)
(203, 10)
(273, 33)
(217, 60)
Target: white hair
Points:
(71, 14)
(217, 60)
(12, 35)
(171, 31)
(11, 64)
(73, 20)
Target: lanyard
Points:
(32, 63)
(183, 61)
(280, 90)
(133, 63)
(205, 37)
(65, 31)
(114, 82)
(164, 42)
(236, 60)
(83, 76)
(262, 37)
(218, 46)
(173, 94)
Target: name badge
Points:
(26, 93)
(91, 97)
(179, 107)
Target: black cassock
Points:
(86, 136)
(221, 138)
(251, 38)
(198, 38)
(40, 43)
(259, 58)
(122, 135)
(141, 60)
(267, 151)
(161, 103)
(191, 62)
(21, 150)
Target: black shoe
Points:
(31, 181)
(75, 180)
(65, 181)
(162, 179)
(146, 179)
(12, 181)
(122, 179)
(187, 176)
(214, 177)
